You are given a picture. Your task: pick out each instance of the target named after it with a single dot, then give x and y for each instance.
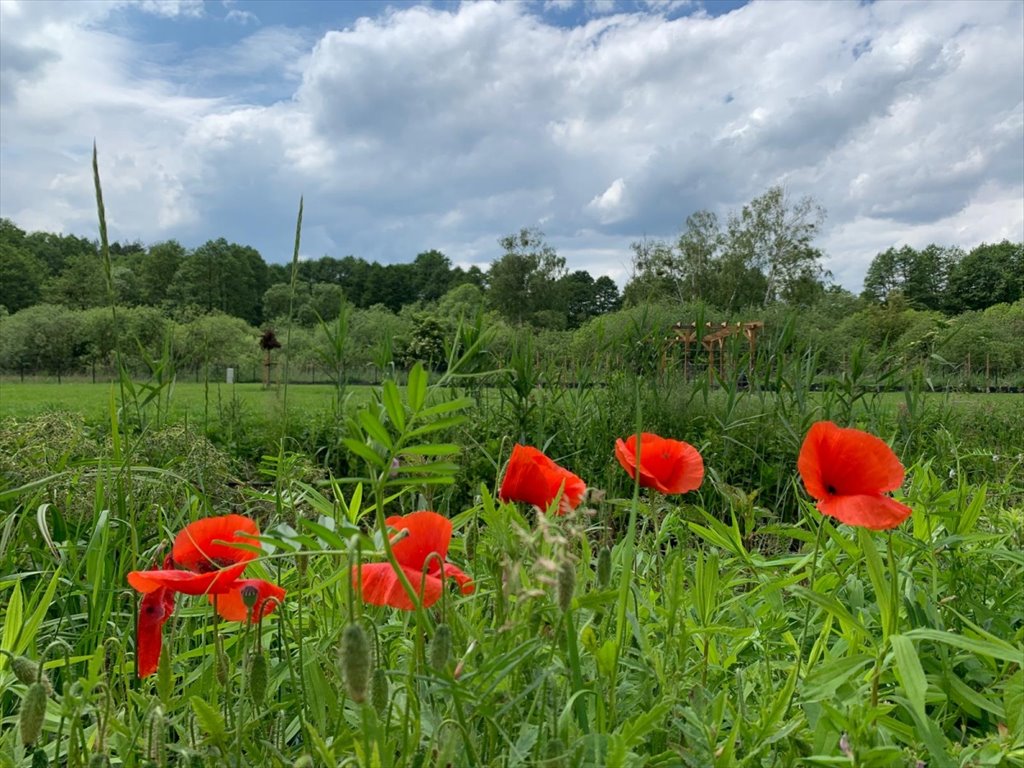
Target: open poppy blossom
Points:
(154, 611)
(848, 473)
(206, 550)
(232, 605)
(534, 478)
(428, 533)
(669, 466)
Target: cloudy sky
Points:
(410, 126)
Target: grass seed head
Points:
(39, 759)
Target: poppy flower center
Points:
(214, 564)
(831, 489)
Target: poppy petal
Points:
(873, 511)
(231, 605)
(465, 581)
(533, 478)
(428, 532)
(668, 466)
(186, 582)
(380, 586)
(195, 548)
(155, 609)
(846, 462)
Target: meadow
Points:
(729, 625)
(483, 565)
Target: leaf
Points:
(435, 426)
(1013, 702)
(911, 673)
(993, 649)
(393, 404)
(416, 387)
(371, 423)
(365, 452)
(31, 625)
(209, 719)
(878, 580)
(834, 607)
(430, 449)
(12, 619)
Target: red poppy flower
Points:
(848, 472)
(211, 567)
(154, 611)
(429, 533)
(534, 478)
(231, 605)
(669, 466)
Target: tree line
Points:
(528, 282)
(205, 306)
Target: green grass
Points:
(189, 399)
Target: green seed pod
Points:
(566, 584)
(33, 710)
(258, 678)
(441, 647)
(304, 762)
(39, 759)
(355, 661)
(604, 567)
(27, 672)
(472, 538)
(379, 691)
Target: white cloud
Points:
(242, 17)
(172, 8)
(424, 128)
(609, 206)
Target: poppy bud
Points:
(33, 710)
(566, 584)
(221, 663)
(250, 594)
(258, 678)
(303, 762)
(441, 647)
(39, 759)
(98, 760)
(379, 691)
(355, 661)
(27, 672)
(472, 537)
(604, 567)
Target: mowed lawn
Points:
(191, 400)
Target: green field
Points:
(732, 625)
(188, 399)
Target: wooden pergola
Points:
(713, 340)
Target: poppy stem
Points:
(626, 574)
(807, 607)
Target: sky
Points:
(414, 126)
